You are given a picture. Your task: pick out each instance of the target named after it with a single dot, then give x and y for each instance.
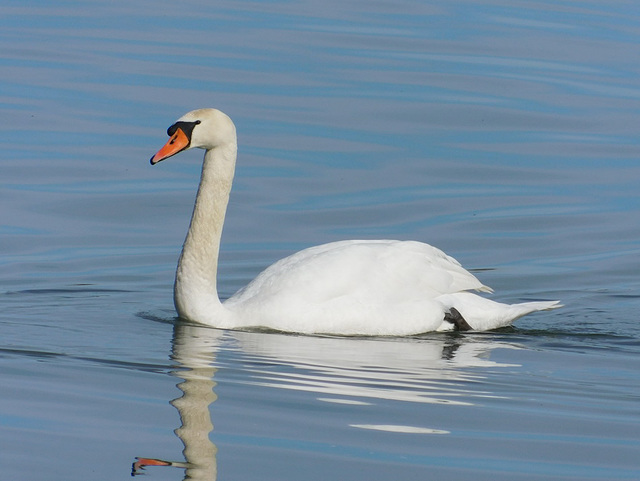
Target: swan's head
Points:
(202, 128)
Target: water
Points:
(506, 134)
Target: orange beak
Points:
(177, 143)
(141, 463)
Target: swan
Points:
(352, 287)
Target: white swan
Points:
(356, 287)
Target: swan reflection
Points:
(430, 370)
(441, 369)
(194, 352)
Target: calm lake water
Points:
(505, 133)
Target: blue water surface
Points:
(504, 133)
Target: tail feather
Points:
(483, 314)
(524, 308)
(539, 306)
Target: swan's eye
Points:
(186, 127)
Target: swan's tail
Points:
(529, 307)
(484, 314)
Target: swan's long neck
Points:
(195, 290)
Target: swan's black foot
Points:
(455, 318)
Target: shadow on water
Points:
(350, 371)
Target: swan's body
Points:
(365, 287)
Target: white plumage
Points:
(356, 287)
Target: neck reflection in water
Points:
(194, 352)
(351, 371)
